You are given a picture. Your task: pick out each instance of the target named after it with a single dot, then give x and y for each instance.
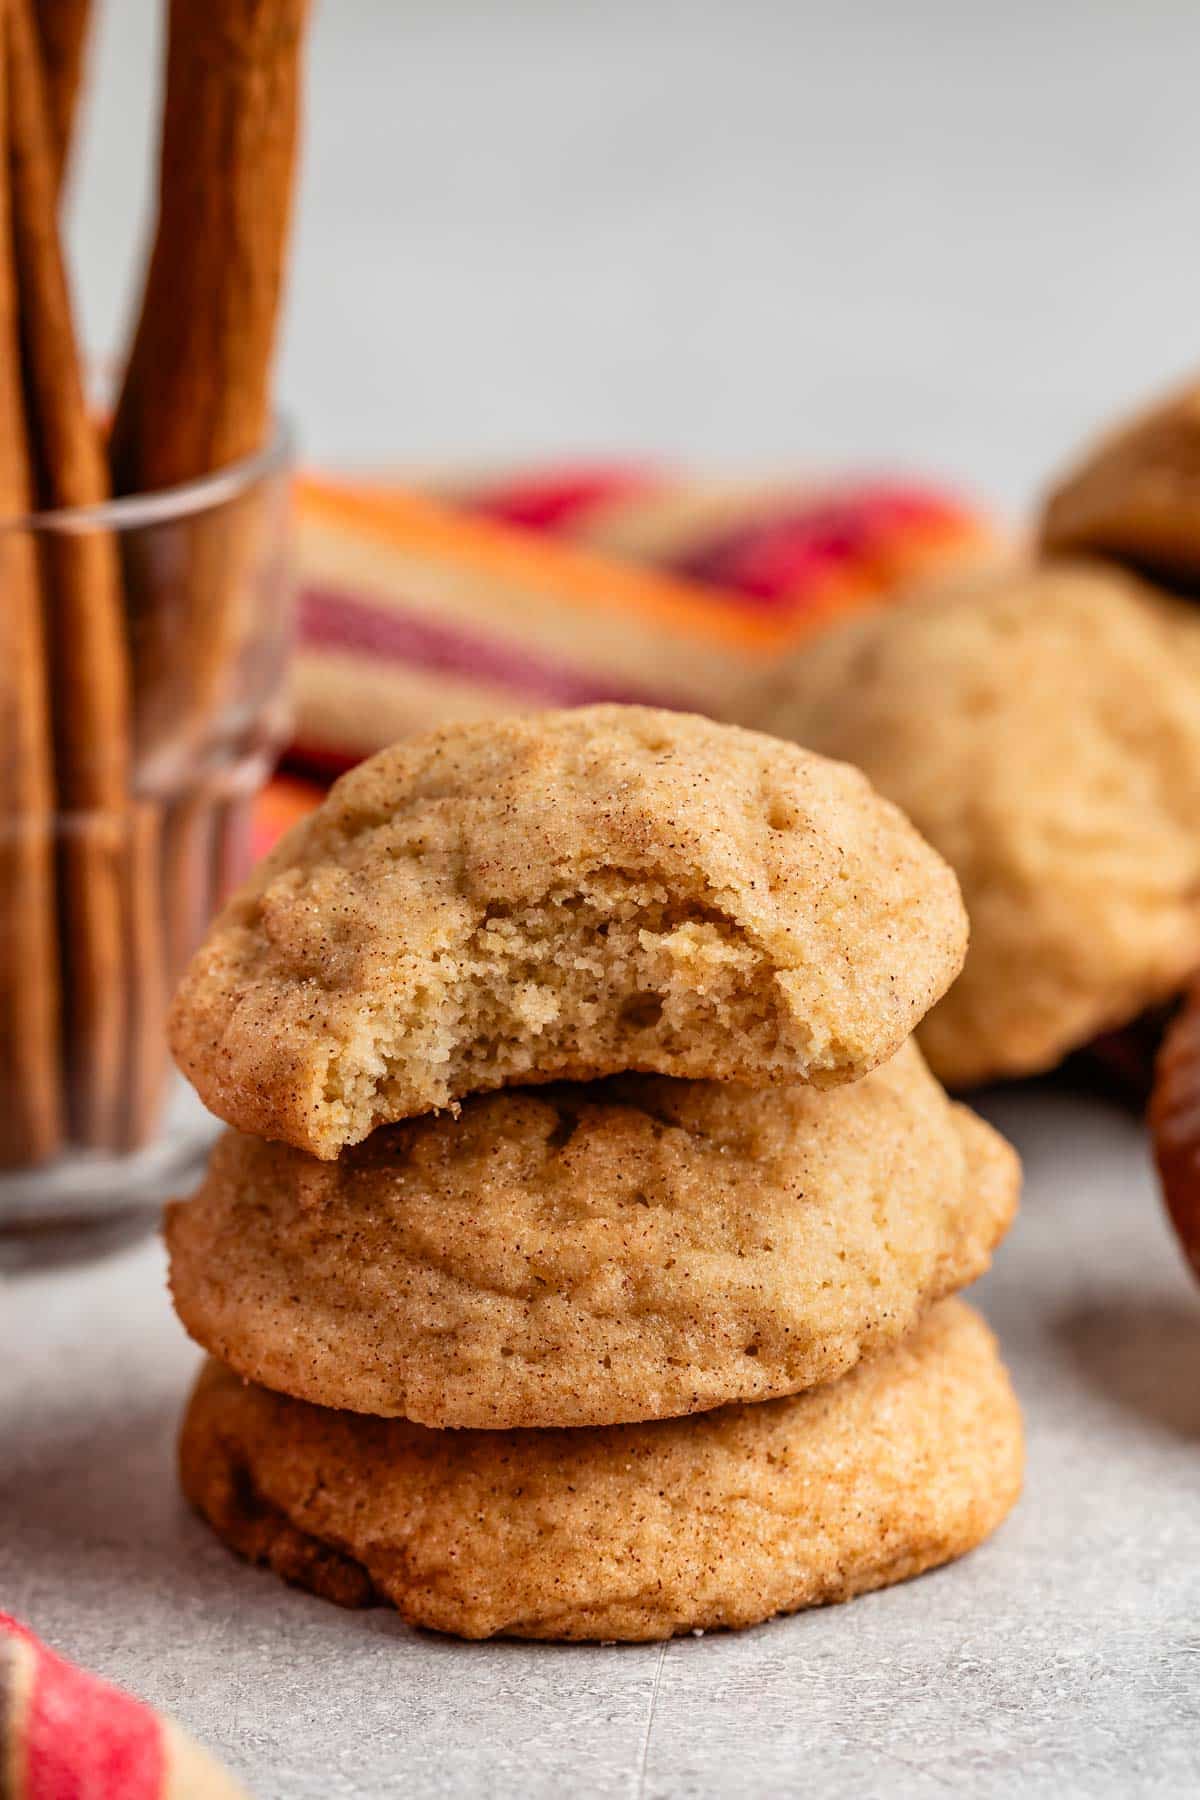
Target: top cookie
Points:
(565, 895)
(1135, 496)
(1042, 729)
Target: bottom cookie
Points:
(627, 1531)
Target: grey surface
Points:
(767, 233)
(1062, 1659)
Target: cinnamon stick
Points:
(30, 1093)
(197, 385)
(145, 957)
(196, 394)
(84, 619)
(62, 30)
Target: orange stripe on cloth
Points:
(542, 567)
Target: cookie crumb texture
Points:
(1042, 729)
(630, 1532)
(616, 1251)
(565, 896)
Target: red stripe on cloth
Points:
(84, 1739)
(340, 623)
(784, 557)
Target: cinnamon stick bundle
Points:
(31, 1115)
(85, 625)
(116, 660)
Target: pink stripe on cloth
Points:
(557, 500)
(348, 625)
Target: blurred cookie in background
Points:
(1041, 727)
(1175, 1124)
(1135, 496)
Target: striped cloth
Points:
(558, 587)
(66, 1735)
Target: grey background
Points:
(743, 232)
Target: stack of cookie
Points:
(578, 1266)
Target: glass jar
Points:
(142, 704)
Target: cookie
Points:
(1042, 729)
(567, 895)
(1135, 496)
(1175, 1124)
(629, 1531)
(622, 1250)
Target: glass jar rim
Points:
(161, 506)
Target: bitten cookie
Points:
(1043, 730)
(633, 1531)
(623, 1250)
(567, 895)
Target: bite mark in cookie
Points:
(563, 897)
